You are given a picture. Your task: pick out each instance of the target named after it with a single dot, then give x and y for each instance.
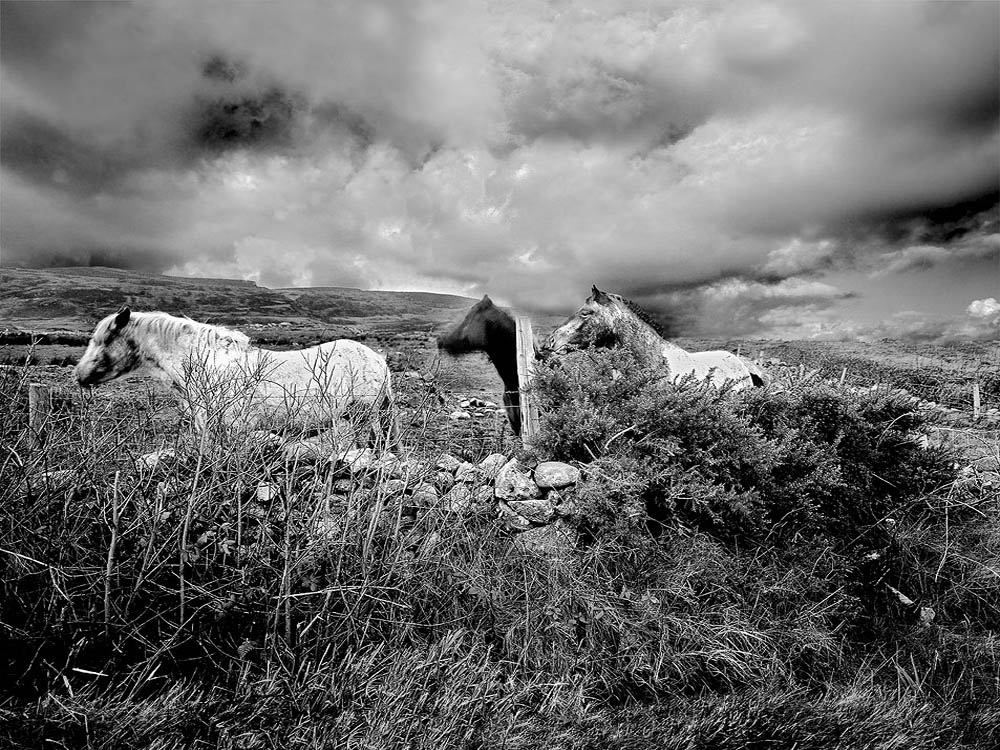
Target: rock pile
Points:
(524, 498)
(530, 501)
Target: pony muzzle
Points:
(88, 376)
(550, 348)
(85, 380)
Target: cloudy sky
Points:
(780, 169)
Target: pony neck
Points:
(646, 335)
(502, 351)
(158, 351)
(168, 343)
(649, 342)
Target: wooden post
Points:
(843, 375)
(39, 411)
(525, 370)
(975, 399)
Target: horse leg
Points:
(382, 423)
(758, 376)
(512, 405)
(389, 421)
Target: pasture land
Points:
(789, 567)
(57, 308)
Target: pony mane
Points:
(165, 325)
(641, 314)
(500, 314)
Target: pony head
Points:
(484, 328)
(594, 324)
(111, 353)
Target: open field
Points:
(787, 567)
(57, 308)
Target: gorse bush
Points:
(733, 582)
(833, 488)
(771, 465)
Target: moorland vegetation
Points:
(790, 566)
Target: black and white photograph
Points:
(515, 374)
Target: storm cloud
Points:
(750, 168)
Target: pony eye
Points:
(586, 313)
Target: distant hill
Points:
(75, 298)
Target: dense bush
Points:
(808, 463)
(734, 583)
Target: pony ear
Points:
(121, 318)
(598, 295)
(486, 298)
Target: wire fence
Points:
(969, 395)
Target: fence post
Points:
(975, 399)
(525, 370)
(843, 374)
(39, 411)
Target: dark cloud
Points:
(218, 68)
(43, 153)
(922, 257)
(251, 121)
(237, 115)
(938, 222)
(739, 306)
(126, 258)
(722, 163)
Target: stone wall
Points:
(529, 499)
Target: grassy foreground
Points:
(788, 567)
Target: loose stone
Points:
(355, 460)
(492, 464)
(512, 483)
(536, 511)
(470, 474)
(556, 475)
(511, 519)
(447, 462)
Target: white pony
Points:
(224, 380)
(609, 319)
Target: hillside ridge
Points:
(73, 298)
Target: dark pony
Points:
(487, 328)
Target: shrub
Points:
(819, 479)
(782, 465)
